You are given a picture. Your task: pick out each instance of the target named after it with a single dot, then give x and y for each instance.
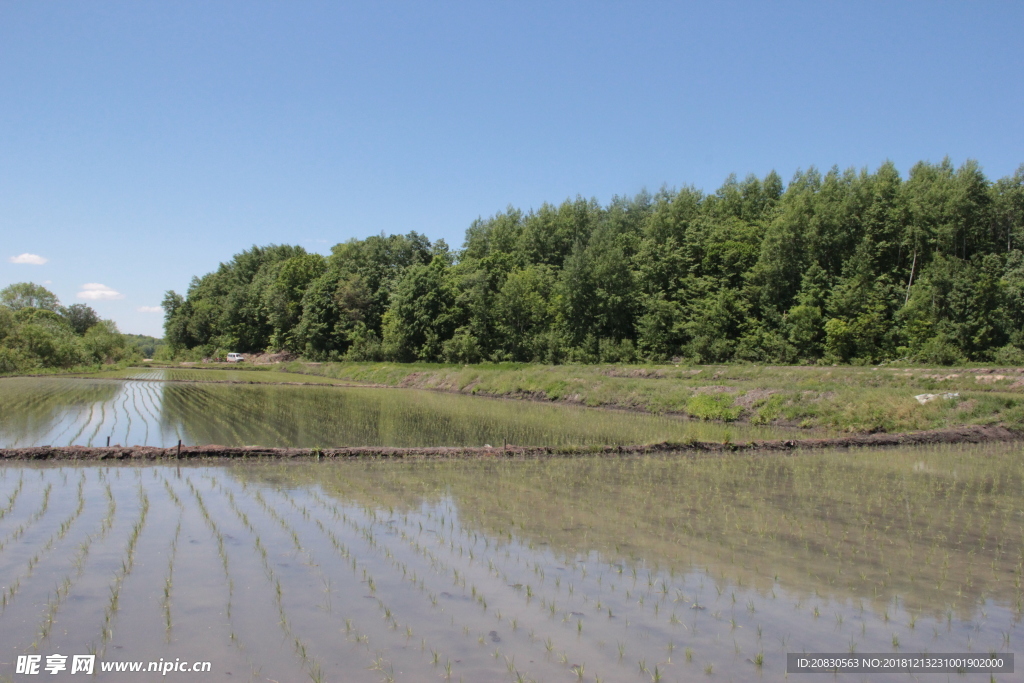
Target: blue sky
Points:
(142, 143)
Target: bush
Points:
(611, 351)
(1008, 355)
(940, 351)
(13, 360)
(711, 407)
(461, 348)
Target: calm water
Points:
(628, 569)
(66, 411)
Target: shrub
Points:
(710, 407)
(940, 351)
(1008, 355)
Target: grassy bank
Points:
(848, 399)
(83, 369)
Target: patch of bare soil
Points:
(270, 358)
(748, 399)
(411, 380)
(967, 406)
(817, 395)
(635, 373)
(973, 434)
(715, 389)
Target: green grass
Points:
(838, 398)
(847, 398)
(85, 369)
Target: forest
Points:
(841, 267)
(38, 333)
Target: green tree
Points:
(283, 295)
(28, 295)
(523, 312)
(80, 317)
(421, 316)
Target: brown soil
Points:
(974, 434)
(632, 373)
(715, 389)
(270, 358)
(748, 399)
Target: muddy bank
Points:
(138, 453)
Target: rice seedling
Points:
(371, 517)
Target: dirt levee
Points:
(972, 434)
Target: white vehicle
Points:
(235, 358)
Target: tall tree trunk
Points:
(911, 280)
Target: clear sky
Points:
(142, 143)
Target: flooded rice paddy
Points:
(151, 411)
(613, 569)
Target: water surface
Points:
(617, 569)
(59, 411)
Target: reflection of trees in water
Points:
(34, 408)
(938, 528)
(285, 416)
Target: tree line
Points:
(846, 266)
(37, 333)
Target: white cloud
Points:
(32, 259)
(149, 309)
(94, 291)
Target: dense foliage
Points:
(842, 267)
(37, 333)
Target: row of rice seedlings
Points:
(142, 397)
(308, 663)
(12, 497)
(459, 552)
(644, 601)
(548, 609)
(27, 401)
(350, 555)
(203, 416)
(127, 564)
(119, 410)
(71, 417)
(172, 553)
(187, 410)
(380, 663)
(288, 529)
(127, 393)
(847, 539)
(538, 569)
(439, 566)
(706, 509)
(83, 420)
(208, 520)
(219, 537)
(20, 530)
(140, 411)
(77, 563)
(147, 399)
(462, 552)
(139, 408)
(102, 420)
(62, 530)
(41, 410)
